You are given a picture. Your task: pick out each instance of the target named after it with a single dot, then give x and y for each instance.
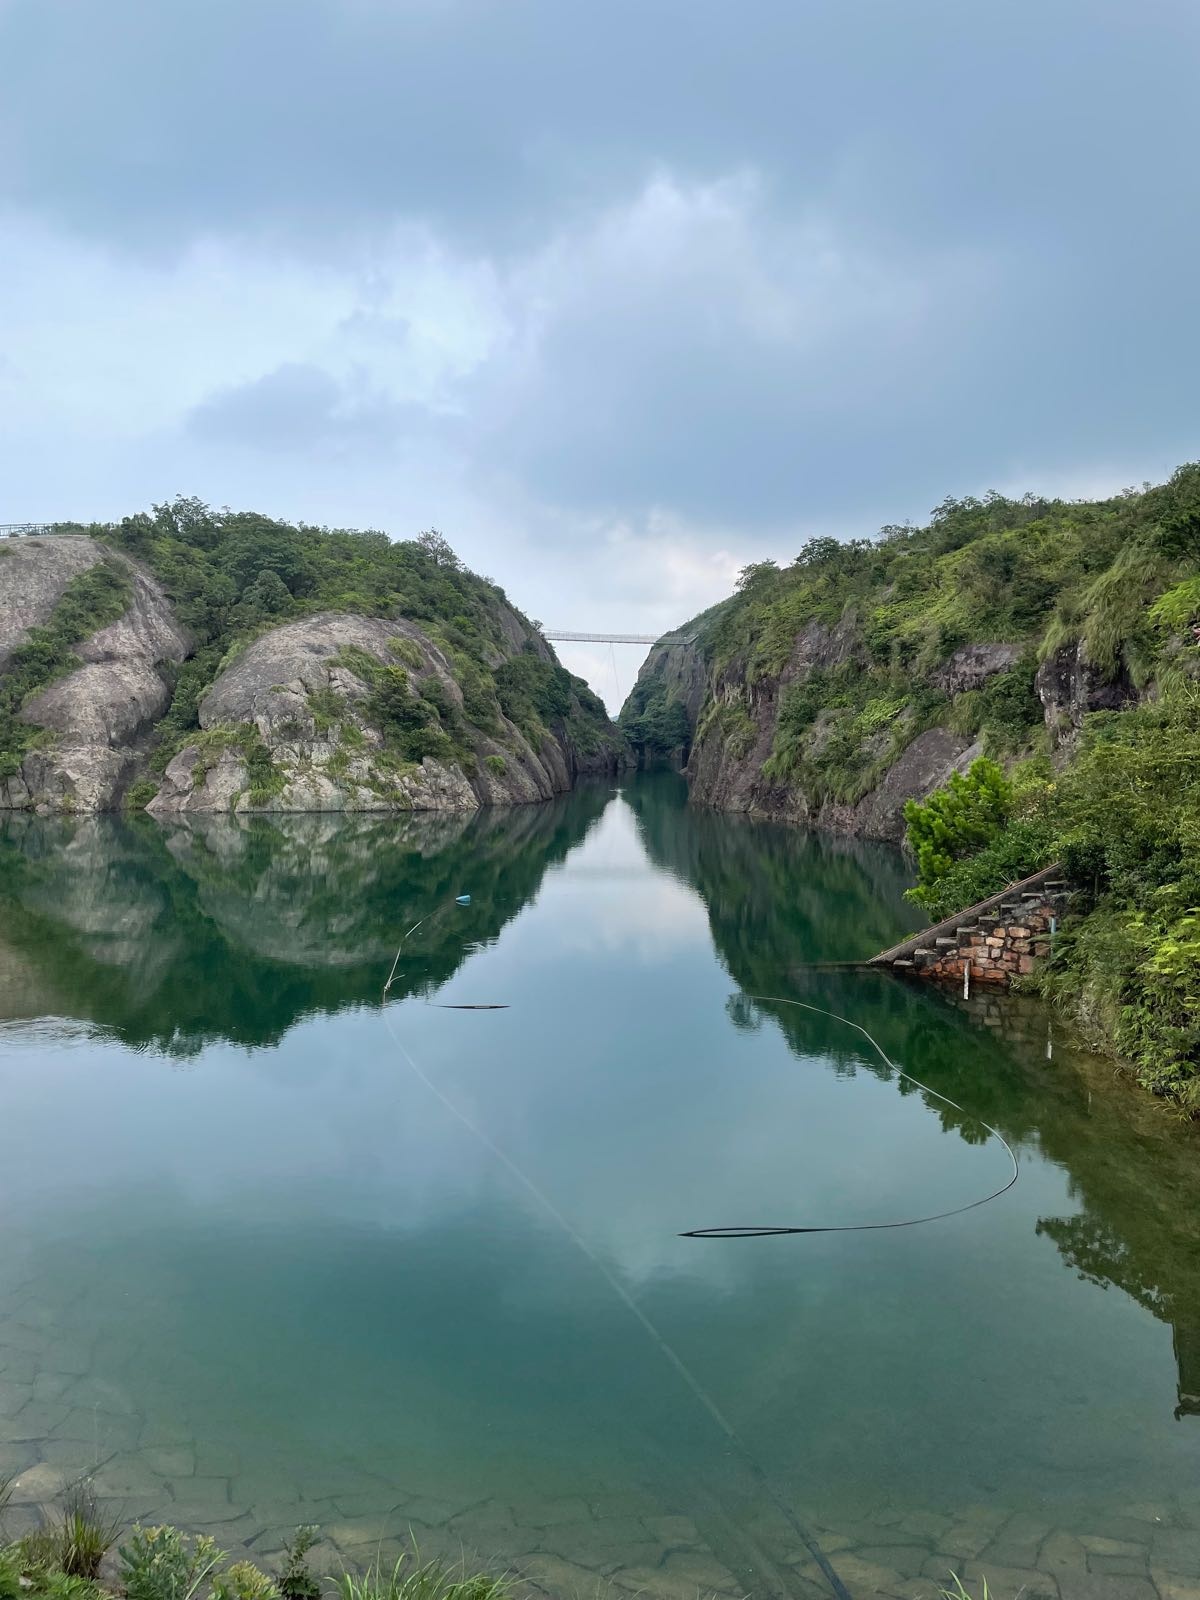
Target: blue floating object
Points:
(462, 899)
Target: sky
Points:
(618, 295)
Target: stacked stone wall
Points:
(999, 945)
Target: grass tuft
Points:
(410, 1578)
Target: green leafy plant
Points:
(164, 1564)
(139, 795)
(958, 819)
(69, 1586)
(244, 1581)
(297, 1581)
(38, 1550)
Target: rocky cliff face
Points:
(1069, 687)
(727, 771)
(304, 692)
(734, 725)
(293, 721)
(33, 575)
(96, 718)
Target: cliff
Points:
(196, 661)
(831, 691)
(78, 735)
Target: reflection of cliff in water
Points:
(218, 927)
(778, 899)
(771, 888)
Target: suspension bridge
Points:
(566, 636)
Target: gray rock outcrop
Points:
(33, 574)
(285, 726)
(972, 665)
(303, 688)
(1070, 686)
(95, 718)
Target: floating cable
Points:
(774, 1230)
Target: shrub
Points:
(139, 795)
(496, 764)
(10, 1576)
(533, 692)
(164, 1564)
(297, 1581)
(411, 1579)
(959, 819)
(408, 651)
(1017, 850)
(244, 1581)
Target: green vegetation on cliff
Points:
(1123, 816)
(234, 575)
(855, 648)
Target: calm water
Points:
(271, 1255)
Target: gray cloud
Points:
(619, 294)
(299, 408)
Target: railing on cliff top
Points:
(15, 530)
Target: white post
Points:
(967, 979)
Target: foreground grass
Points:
(64, 1559)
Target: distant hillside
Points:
(200, 660)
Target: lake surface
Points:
(273, 1252)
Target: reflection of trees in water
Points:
(778, 899)
(223, 927)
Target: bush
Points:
(139, 795)
(411, 1579)
(1017, 850)
(164, 1564)
(297, 1581)
(957, 820)
(10, 1576)
(85, 1534)
(244, 1581)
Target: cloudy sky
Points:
(619, 294)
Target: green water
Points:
(269, 1256)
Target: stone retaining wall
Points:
(1000, 945)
